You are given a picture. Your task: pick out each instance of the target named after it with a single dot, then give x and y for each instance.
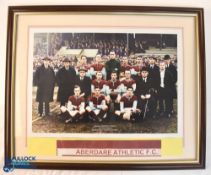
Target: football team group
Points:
(119, 88)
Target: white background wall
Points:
(206, 4)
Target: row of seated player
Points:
(97, 108)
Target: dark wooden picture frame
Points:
(9, 89)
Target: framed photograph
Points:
(105, 87)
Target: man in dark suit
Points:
(165, 90)
(145, 93)
(84, 83)
(45, 82)
(171, 68)
(66, 80)
(154, 75)
(153, 72)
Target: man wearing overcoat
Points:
(173, 70)
(45, 82)
(66, 77)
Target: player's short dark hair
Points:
(153, 57)
(77, 86)
(97, 87)
(145, 69)
(114, 72)
(130, 87)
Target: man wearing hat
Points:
(66, 80)
(173, 70)
(145, 93)
(45, 81)
(82, 62)
(84, 83)
(153, 72)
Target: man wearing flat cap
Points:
(153, 72)
(145, 93)
(84, 83)
(44, 80)
(66, 81)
